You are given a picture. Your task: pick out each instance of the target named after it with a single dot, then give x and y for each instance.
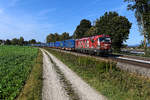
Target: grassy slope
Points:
(106, 78)
(33, 87)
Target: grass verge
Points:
(110, 81)
(33, 87)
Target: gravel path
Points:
(52, 88)
(84, 91)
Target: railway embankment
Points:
(133, 64)
(106, 77)
(137, 65)
(132, 68)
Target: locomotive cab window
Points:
(106, 39)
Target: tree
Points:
(56, 37)
(7, 42)
(1, 41)
(64, 36)
(50, 38)
(14, 41)
(38, 42)
(116, 26)
(81, 29)
(141, 44)
(142, 14)
(33, 41)
(21, 41)
(91, 32)
(26, 42)
(104, 24)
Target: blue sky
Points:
(37, 18)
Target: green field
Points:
(15, 66)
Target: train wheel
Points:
(97, 53)
(101, 54)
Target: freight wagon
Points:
(70, 44)
(62, 44)
(52, 44)
(57, 44)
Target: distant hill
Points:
(135, 45)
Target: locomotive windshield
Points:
(105, 39)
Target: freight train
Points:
(99, 44)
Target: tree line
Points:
(19, 41)
(57, 37)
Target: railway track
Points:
(136, 61)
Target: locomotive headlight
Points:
(99, 45)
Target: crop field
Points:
(106, 78)
(15, 66)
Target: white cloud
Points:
(15, 25)
(25, 25)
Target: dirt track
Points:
(53, 88)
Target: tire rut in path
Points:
(52, 88)
(65, 83)
(84, 91)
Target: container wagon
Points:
(70, 44)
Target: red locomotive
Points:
(99, 44)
